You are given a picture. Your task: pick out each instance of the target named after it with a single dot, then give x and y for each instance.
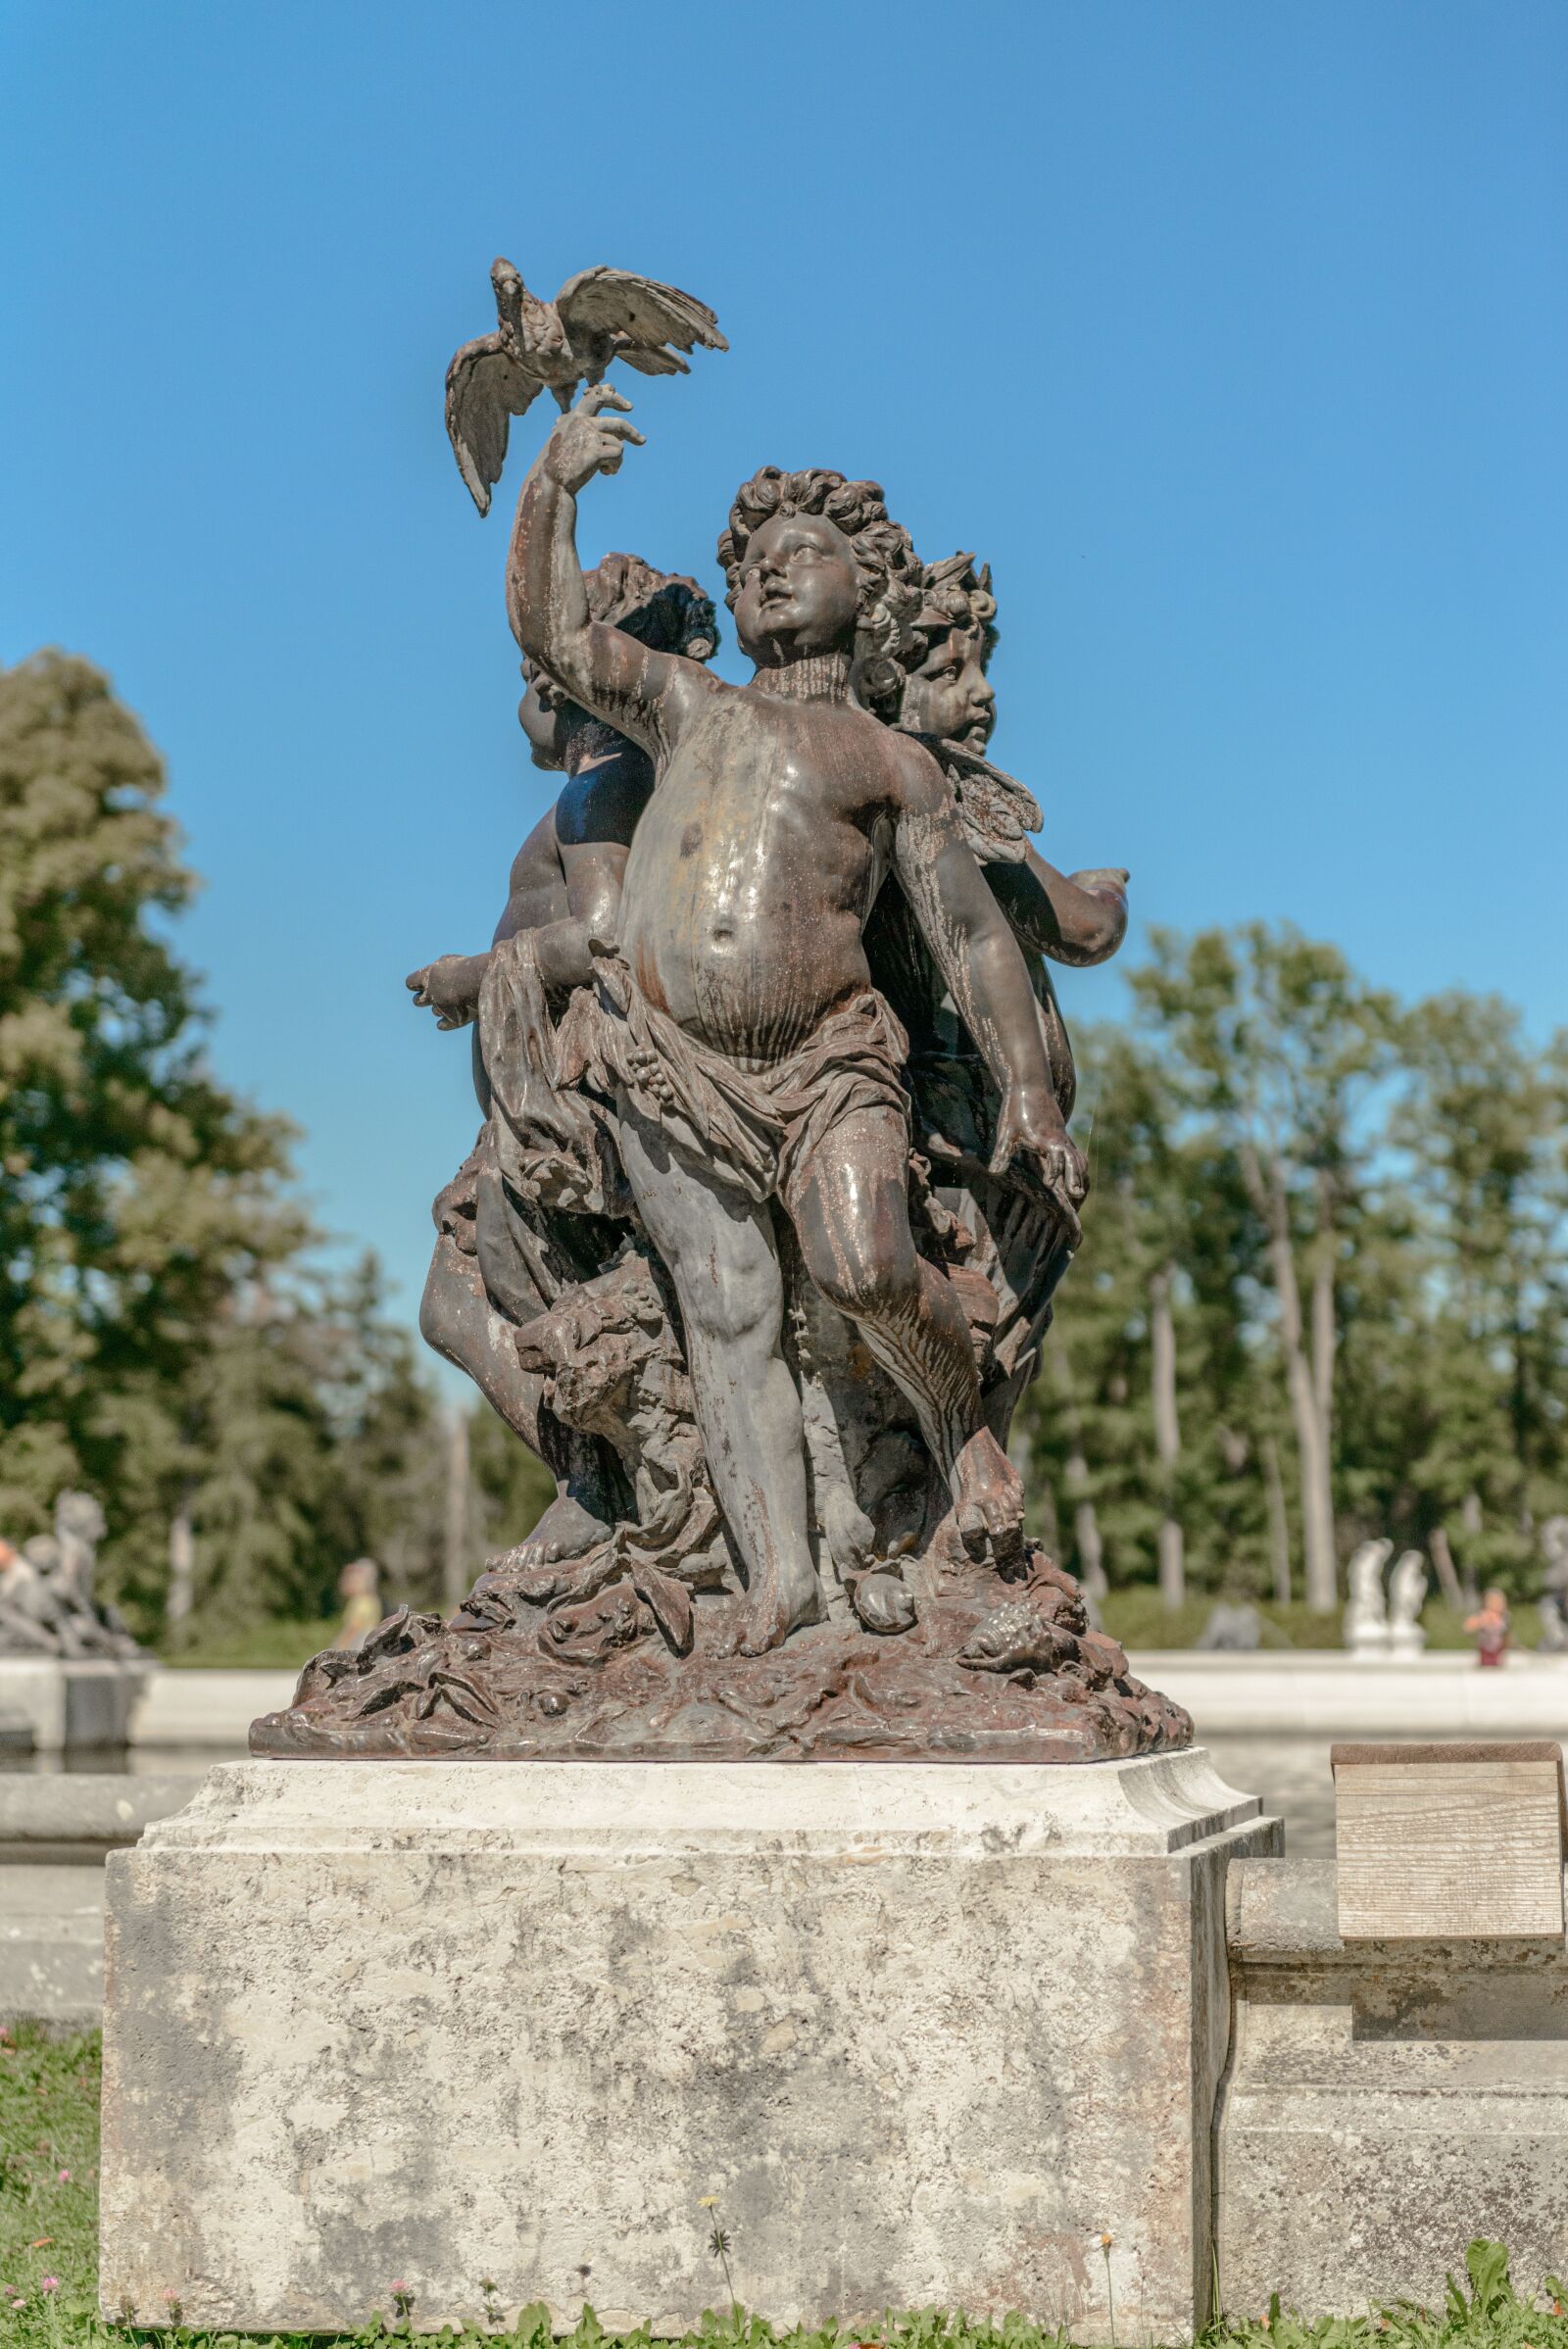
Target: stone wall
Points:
(1383, 2103)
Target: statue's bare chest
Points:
(760, 780)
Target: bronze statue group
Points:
(756, 1246)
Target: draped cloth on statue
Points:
(545, 1177)
(754, 1129)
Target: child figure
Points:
(1490, 1629)
(359, 1585)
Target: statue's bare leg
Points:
(851, 1213)
(721, 1256)
(457, 1320)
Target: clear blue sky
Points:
(1234, 335)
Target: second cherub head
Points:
(665, 610)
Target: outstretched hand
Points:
(586, 441)
(1031, 1130)
(449, 988)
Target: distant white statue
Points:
(1366, 1621)
(1553, 1539)
(1407, 1593)
(47, 1605)
(78, 1529)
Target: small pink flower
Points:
(65, 2178)
(170, 2295)
(48, 2283)
(398, 2284)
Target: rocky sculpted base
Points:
(989, 1672)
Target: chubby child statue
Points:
(735, 1023)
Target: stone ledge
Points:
(1155, 1803)
(1285, 1914)
(74, 1701)
(79, 1816)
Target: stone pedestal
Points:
(925, 2030)
(72, 1704)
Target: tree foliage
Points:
(1352, 1212)
(169, 1336)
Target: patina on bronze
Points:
(758, 1245)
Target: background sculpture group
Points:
(48, 1605)
(756, 1246)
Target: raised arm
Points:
(974, 948)
(1077, 918)
(640, 692)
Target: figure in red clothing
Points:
(1490, 1629)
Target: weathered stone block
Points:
(926, 2030)
(72, 1702)
(1384, 2103)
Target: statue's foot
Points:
(789, 1598)
(986, 1522)
(567, 1555)
(566, 1530)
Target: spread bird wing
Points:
(485, 390)
(646, 313)
(650, 363)
(995, 808)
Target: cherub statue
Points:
(79, 1527)
(737, 1028)
(1366, 1624)
(538, 1206)
(1024, 1239)
(1407, 1591)
(1004, 1243)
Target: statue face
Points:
(949, 694)
(541, 715)
(799, 588)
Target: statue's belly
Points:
(725, 939)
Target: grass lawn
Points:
(1136, 1617)
(49, 2261)
(285, 1644)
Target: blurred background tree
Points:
(170, 1336)
(1323, 1292)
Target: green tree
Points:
(165, 1338)
(1275, 1045)
(1480, 1125)
(1140, 1414)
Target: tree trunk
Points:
(1325, 1337)
(1086, 1530)
(1167, 1435)
(1448, 1572)
(1471, 1520)
(455, 1570)
(182, 1592)
(1311, 1441)
(1040, 1503)
(1279, 1523)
